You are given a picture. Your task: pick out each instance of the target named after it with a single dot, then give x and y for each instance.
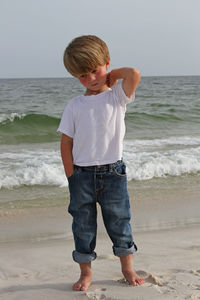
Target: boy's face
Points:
(96, 79)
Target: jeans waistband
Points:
(107, 167)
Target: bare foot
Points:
(133, 278)
(83, 283)
(127, 270)
(85, 278)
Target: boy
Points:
(93, 129)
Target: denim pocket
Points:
(120, 170)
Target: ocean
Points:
(161, 146)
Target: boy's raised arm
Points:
(66, 154)
(130, 76)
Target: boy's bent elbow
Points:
(131, 82)
(135, 79)
(135, 74)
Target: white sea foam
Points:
(31, 168)
(11, 117)
(174, 156)
(146, 165)
(139, 145)
(145, 159)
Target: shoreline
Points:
(54, 223)
(155, 207)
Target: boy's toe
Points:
(77, 286)
(140, 281)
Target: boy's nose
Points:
(91, 77)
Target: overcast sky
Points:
(159, 37)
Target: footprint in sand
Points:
(195, 296)
(148, 277)
(154, 280)
(196, 272)
(96, 295)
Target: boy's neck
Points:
(90, 92)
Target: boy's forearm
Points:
(130, 76)
(66, 154)
(122, 73)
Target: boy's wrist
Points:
(69, 169)
(114, 74)
(108, 79)
(111, 78)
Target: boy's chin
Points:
(97, 87)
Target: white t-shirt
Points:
(96, 124)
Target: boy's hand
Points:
(110, 80)
(130, 79)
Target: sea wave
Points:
(148, 165)
(4, 118)
(165, 143)
(31, 168)
(28, 128)
(174, 156)
(145, 159)
(164, 116)
(16, 128)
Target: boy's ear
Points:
(107, 65)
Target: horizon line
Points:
(71, 77)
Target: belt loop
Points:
(110, 168)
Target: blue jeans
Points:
(106, 185)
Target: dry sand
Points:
(36, 261)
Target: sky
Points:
(158, 37)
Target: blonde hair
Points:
(84, 54)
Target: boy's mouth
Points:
(94, 84)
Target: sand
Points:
(36, 263)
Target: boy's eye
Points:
(94, 71)
(83, 75)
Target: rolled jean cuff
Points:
(120, 252)
(83, 257)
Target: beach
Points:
(162, 155)
(36, 246)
